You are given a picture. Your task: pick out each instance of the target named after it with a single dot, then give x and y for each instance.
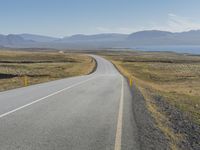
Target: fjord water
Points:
(191, 49)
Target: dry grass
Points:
(173, 76)
(40, 67)
(178, 84)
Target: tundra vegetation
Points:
(40, 67)
(170, 84)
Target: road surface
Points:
(92, 112)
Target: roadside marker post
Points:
(25, 81)
(130, 81)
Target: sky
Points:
(67, 17)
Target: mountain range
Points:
(107, 40)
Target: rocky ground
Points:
(181, 123)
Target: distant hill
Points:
(12, 40)
(155, 37)
(107, 40)
(95, 38)
(38, 38)
(148, 34)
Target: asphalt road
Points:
(92, 112)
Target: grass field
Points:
(174, 77)
(40, 67)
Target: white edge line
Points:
(38, 100)
(118, 137)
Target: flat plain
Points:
(40, 67)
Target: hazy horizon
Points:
(98, 33)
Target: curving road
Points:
(92, 112)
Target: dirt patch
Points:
(7, 76)
(181, 123)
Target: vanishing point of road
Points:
(92, 112)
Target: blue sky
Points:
(66, 17)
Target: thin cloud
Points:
(174, 23)
(177, 23)
(115, 30)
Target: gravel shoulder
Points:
(150, 137)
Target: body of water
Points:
(178, 48)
